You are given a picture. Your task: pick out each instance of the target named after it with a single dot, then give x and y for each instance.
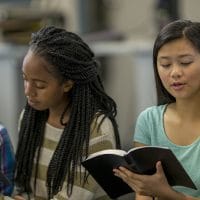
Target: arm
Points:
(144, 185)
(7, 160)
(140, 197)
(145, 133)
(148, 186)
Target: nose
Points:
(176, 71)
(29, 89)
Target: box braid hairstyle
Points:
(70, 58)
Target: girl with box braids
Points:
(69, 60)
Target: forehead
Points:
(35, 66)
(177, 47)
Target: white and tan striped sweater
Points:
(102, 139)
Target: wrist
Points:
(190, 198)
(172, 194)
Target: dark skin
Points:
(44, 91)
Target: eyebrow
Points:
(35, 79)
(180, 56)
(38, 80)
(186, 55)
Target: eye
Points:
(165, 65)
(39, 85)
(185, 63)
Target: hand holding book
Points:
(148, 185)
(141, 160)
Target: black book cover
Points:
(141, 160)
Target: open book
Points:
(141, 160)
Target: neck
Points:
(55, 116)
(185, 109)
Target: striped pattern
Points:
(103, 139)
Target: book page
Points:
(107, 151)
(146, 147)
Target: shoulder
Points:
(153, 112)
(154, 109)
(2, 128)
(101, 125)
(3, 134)
(149, 125)
(101, 134)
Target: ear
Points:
(67, 85)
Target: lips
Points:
(32, 102)
(178, 85)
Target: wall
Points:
(11, 87)
(131, 79)
(134, 19)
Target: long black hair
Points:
(70, 58)
(172, 31)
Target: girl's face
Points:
(178, 64)
(43, 90)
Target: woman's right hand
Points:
(147, 185)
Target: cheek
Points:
(164, 77)
(194, 74)
(54, 94)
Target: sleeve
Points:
(102, 138)
(20, 119)
(7, 161)
(143, 128)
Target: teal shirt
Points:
(149, 130)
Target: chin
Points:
(37, 107)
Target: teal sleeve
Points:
(142, 129)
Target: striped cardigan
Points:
(99, 140)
